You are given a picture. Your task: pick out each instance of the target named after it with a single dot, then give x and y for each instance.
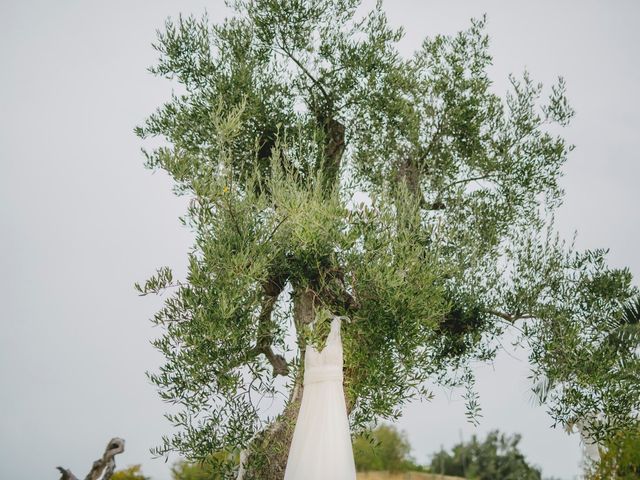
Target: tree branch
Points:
(103, 467)
(334, 131)
(313, 79)
(66, 474)
(470, 179)
(272, 288)
(509, 317)
(334, 145)
(410, 174)
(435, 139)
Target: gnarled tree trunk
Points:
(266, 458)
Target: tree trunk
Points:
(267, 456)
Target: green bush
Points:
(384, 448)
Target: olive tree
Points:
(329, 175)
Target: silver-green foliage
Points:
(283, 113)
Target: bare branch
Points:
(509, 317)
(107, 463)
(102, 468)
(275, 229)
(272, 289)
(469, 179)
(66, 474)
(313, 79)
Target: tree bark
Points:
(266, 458)
(102, 468)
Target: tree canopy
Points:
(328, 174)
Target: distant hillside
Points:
(403, 476)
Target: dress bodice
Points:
(325, 365)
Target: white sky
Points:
(82, 220)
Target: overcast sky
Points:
(82, 220)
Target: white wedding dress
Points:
(321, 445)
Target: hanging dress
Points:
(321, 444)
